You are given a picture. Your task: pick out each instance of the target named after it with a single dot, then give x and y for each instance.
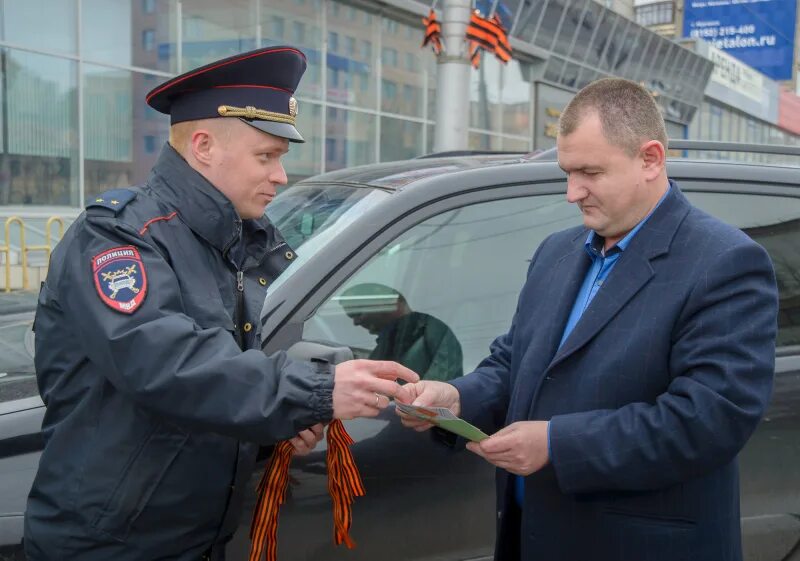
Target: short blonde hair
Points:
(628, 113)
(180, 134)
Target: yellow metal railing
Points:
(48, 246)
(24, 249)
(7, 250)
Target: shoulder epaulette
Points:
(113, 199)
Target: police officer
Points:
(147, 341)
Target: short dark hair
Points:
(628, 113)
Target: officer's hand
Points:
(429, 393)
(307, 440)
(363, 387)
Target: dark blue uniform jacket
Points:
(154, 411)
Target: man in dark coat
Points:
(638, 362)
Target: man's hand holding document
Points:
(443, 418)
(436, 404)
(519, 448)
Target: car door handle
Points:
(320, 350)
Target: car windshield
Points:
(310, 215)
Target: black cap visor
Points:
(281, 130)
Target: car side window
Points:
(774, 222)
(435, 297)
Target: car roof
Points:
(400, 175)
(395, 175)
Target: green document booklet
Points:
(443, 418)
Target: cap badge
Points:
(253, 113)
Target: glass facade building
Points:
(74, 121)
(717, 121)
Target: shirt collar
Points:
(594, 243)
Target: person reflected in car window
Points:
(416, 340)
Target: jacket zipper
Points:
(239, 320)
(238, 313)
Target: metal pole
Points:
(81, 202)
(5, 153)
(452, 79)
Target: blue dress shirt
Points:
(602, 265)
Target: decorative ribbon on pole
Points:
(488, 34)
(503, 48)
(474, 54)
(344, 483)
(433, 32)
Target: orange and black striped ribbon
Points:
(503, 48)
(433, 32)
(271, 493)
(474, 54)
(344, 483)
(487, 34)
(481, 31)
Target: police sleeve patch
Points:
(120, 278)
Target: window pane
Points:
(569, 26)
(39, 157)
(516, 95)
(481, 141)
(554, 68)
(569, 76)
(516, 145)
(23, 24)
(123, 136)
(429, 141)
(484, 95)
(634, 65)
(550, 102)
(586, 30)
(531, 13)
(407, 73)
(214, 30)
(394, 308)
(351, 77)
(774, 222)
(607, 41)
(547, 28)
(430, 65)
(586, 76)
(400, 139)
(298, 25)
(632, 43)
(305, 159)
(349, 139)
(131, 32)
